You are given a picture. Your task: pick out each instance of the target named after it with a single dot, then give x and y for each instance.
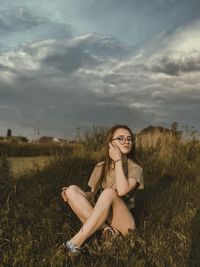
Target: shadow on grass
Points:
(150, 194)
(194, 255)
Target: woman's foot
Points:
(70, 248)
(109, 233)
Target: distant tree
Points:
(23, 139)
(174, 126)
(174, 129)
(9, 133)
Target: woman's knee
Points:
(127, 230)
(72, 191)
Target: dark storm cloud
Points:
(4, 68)
(96, 90)
(181, 106)
(89, 51)
(69, 61)
(49, 99)
(35, 102)
(180, 63)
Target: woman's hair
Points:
(131, 155)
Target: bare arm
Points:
(124, 185)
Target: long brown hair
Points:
(131, 155)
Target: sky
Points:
(72, 64)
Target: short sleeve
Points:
(96, 175)
(136, 172)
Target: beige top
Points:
(131, 170)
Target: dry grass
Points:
(34, 220)
(22, 165)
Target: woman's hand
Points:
(63, 194)
(114, 152)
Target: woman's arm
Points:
(124, 185)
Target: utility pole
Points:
(38, 134)
(78, 134)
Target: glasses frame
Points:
(123, 141)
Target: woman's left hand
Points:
(114, 152)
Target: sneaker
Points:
(109, 234)
(71, 248)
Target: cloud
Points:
(87, 51)
(18, 19)
(57, 85)
(139, 20)
(174, 54)
(40, 93)
(20, 25)
(67, 55)
(176, 63)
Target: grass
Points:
(34, 220)
(22, 165)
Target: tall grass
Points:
(31, 150)
(34, 220)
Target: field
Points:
(34, 221)
(22, 165)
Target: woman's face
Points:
(123, 140)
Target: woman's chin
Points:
(125, 150)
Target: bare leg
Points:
(107, 200)
(120, 217)
(79, 202)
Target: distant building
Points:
(50, 139)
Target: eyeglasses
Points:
(122, 140)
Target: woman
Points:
(113, 182)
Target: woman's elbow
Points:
(123, 191)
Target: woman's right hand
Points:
(63, 194)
